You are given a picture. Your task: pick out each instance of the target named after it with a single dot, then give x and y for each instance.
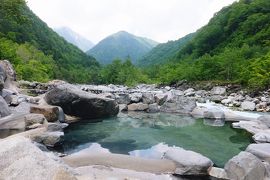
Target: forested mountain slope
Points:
(121, 45)
(234, 46)
(36, 51)
(164, 52)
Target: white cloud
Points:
(161, 20)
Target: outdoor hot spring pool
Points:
(137, 131)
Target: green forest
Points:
(233, 47)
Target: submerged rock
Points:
(245, 166)
(76, 102)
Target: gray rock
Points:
(248, 106)
(153, 108)
(7, 95)
(2, 78)
(137, 107)
(50, 139)
(262, 151)
(136, 97)
(4, 109)
(160, 98)
(20, 159)
(218, 90)
(183, 105)
(76, 102)
(148, 98)
(188, 162)
(51, 113)
(265, 119)
(189, 91)
(262, 137)
(31, 119)
(201, 93)
(214, 113)
(217, 98)
(245, 166)
(253, 127)
(23, 107)
(56, 126)
(218, 173)
(10, 75)
(198, 111)
(13, 121)
(123, 98)
(226, 101)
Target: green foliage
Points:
(257, 74)
(20, 26)
(119, 72)
(162, 53)
(231, 47)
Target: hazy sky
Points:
(160, 20)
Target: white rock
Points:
(245, 166)
(188, 162)
(248, 106)
(218, 90)
(262, 151)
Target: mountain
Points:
(121, 45)
(163, 52)
(36, 51)
(233, 47)
(74, 38)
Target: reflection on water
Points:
(134, 131)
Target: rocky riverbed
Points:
(40, 112)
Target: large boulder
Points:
(21, 159)
(262, 136)
(265, 119)
(4, 109)
(76, 102)
(183, 105)
(262, 151)
(245, 166)
(10, 75)
(2, 78)
(188, 162)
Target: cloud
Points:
(161, 20)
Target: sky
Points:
(160, 20)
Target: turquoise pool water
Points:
(135, 131)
